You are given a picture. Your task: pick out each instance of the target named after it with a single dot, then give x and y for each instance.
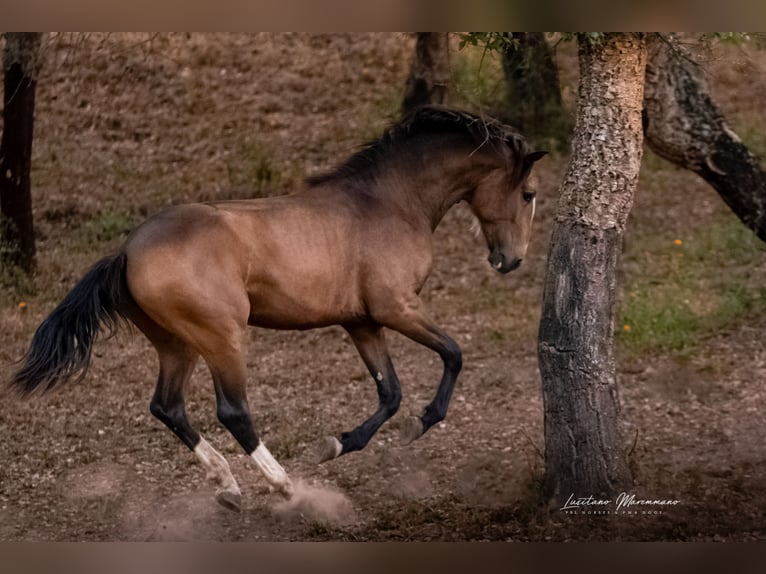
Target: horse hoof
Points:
(229, 500)
(287, 490)
(411, 429)
(329, 448)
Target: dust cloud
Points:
(317, 503)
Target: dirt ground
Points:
(127, 124)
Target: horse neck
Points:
(426, 187)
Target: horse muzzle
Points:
(501, 263)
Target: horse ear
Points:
(531, 158)
(528, 162)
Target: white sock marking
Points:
(338, 446)
(218, 471)
(271, 469)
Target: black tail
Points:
(61, 347)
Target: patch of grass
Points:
(498, 335)
(108, 226)
(14, 279)
(725, 243)
(16, 286)
(690, 288)
(657, 319)
(253, 167)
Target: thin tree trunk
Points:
(429, 71)
(684, 126)
(20, 64)
(584, 453)
(534, 105)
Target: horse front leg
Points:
(412, 322)
(371, 344)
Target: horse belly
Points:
(303, 302)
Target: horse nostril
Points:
(496, 259)
(500, 263)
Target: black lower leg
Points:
(371, 343)
(173, 414)
(436, 411)
(412, 322)
(234, 414)
(389, 397)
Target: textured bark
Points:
(534, 103)
(20, 66)
(684, 126)
(429, 72)
(584, 452)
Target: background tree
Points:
(428, 79)
(684, 126)
(20, 67)
(583, 441)
(533, 97)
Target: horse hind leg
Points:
(177, 362)
(371, 344)
(229, 378)
(214, 327)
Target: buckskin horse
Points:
(352, 248)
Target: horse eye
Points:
(528, 196)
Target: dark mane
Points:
(430, 120)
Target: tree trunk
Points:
(684, 126)
(584, 453)
(534, 105)
(20, 65)
(429, 71)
